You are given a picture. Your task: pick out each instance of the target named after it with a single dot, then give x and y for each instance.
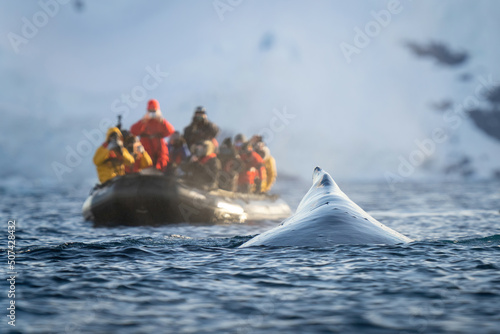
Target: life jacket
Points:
(254, 168)
(109, 163)
(114, 160)
(152, 133)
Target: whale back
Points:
(323, 185)
(326, 216)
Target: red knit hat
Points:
(153, 105)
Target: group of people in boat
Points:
(195, 156)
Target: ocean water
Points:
(74, 278)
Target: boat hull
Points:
(155, 199)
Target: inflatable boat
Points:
(151, 198)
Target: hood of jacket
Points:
(114, 130)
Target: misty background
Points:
(246, 61)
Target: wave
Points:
(480, 241)
(141, 243)
(133, 246)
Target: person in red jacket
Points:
(254, 172)
(152, 128)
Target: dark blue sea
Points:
(74, 278)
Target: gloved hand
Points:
(115, 145)
(112, 145)
(138, 148)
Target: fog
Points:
(312, 77)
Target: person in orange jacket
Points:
(152, 128)
(254, 173)
(111, 157)
(141, 157)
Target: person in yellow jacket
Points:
(141, 156)
(269, 164)
(111, 157)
